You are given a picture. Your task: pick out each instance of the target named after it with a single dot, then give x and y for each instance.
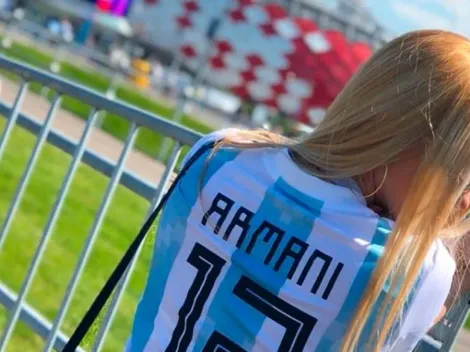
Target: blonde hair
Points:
(413, 91)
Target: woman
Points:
(337, 242)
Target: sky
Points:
(401, 16)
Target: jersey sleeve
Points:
(211, 137)
(431, 295)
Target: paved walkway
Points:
(463, 342)
(108, 146)
(100, 142)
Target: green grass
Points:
(122, 221)
(148, 141)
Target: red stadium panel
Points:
(268, 29)
(217, 62)
(237, 15)
(360, 51)
(275, 12)
(223, 46)
(191, 6)
(188, 51)
(279, 88)
(184, 22)
(340, 51)
(255, 60)
(245, 2)
(248, 76)
(306, 25)
(241, 91)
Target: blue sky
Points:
(403, 15)
(400, 16)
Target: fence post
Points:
(120, 289)
(9, 218)
(92, 235)
(13, 116)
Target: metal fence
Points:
(14, 302)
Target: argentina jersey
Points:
(254, 254)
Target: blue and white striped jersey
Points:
(261, 256)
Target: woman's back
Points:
(263, 256)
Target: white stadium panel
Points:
(201, 21)
(231, 4)
(289, 103)
(316, 115)
(256, 14)
(159, 21)
(235, 34)
(287, 28)
(299, 87)
(247, 38)
(317, 42)
(236, 61)
(224, 77)
(193, 62)
(259, 90)
(197, 40)
(274, 58)
(283, 45)
(208, 10)
(268, 75)
(168, 8)
(213, 8)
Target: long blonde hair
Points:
(414, 91)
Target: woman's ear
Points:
(464, 202)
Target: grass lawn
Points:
(123, 220)
(148, 141)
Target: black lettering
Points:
(332, 281)
(295, 253)
(220, 205)
(326, 264)
(241, 219)
(280, 234)
(272, 230)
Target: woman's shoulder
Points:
(446, 259)
(440, 267)
(212, 137)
